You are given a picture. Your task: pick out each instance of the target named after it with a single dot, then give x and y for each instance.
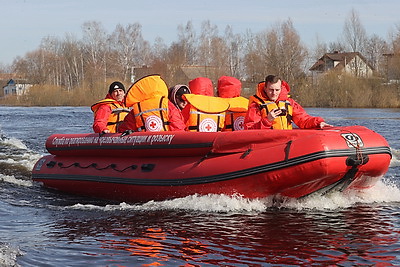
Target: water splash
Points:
(382, 192)
(8, 255)
(16, 160)
(12, 180)
(395, 162)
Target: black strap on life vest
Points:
(118, 121)
(263, 105)
(230, 119)
(218, 122)
(196, 127)
(288, 116)
(143, 127)
(165, 123)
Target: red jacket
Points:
(174, 116)
(253, 119)
(102, 116)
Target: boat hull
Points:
(254, 164)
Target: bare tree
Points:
(126, 42)
(354, 32)
(50, 47)
(293, 52)
(375, 47)
(336, 47)
(253, 59)
(158, 49)
(5, 68)
(205, 50)
(95, 48)
(234, 56)
(282, 51)
(71, 57)
(32, 65)
(187, 41)
(393, 56)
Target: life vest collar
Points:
(146, 88)
(207, 104)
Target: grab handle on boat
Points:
(287, 149)
(246, 153)
(148, 167)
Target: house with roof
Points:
(352, 63)
(187, 73)
(16, 87)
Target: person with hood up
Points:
(272, 108)
(230, 88)
(110, 112)
(175, 95)
(203, 112)
(201, 86)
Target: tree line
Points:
(71, 71)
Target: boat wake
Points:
(395, 162)
(8, 255)
(16, 161)
(383, 192)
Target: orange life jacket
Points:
(206, 113)
(148, 97)
(281, 122)
(118, 113)
(234, 119)
(152, 114)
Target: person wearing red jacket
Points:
(230, 88)
(201, 86)
(272, 108)
(110, 112)
(175, 94)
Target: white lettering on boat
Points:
(129, 140)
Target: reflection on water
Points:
(358, 235)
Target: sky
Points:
(24, 23)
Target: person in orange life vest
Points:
(272, 108)
(198, 86)
(175, 120)
(203, 112)
(230, 88)
(111, 111)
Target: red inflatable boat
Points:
(255, 163)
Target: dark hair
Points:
(272, 79)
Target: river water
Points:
(39, 227)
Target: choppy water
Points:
(45, 228)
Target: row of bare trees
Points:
(91, 62)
